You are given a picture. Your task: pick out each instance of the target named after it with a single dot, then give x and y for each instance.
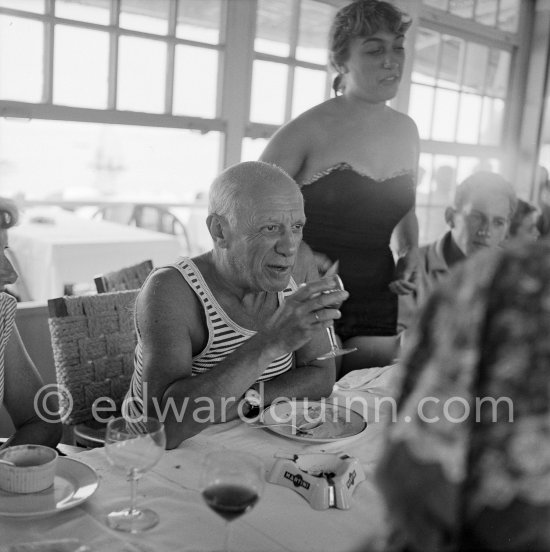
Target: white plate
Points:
(74, 483)
(336, 422)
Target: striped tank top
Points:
(8, 306)
(224, 336)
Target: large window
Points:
(289, 71)
(80, 161)
(113, 98)
(501, 14)
(458, 90)
(156, 96)
(459, 97)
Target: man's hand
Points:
(405, 273)
(312, 307)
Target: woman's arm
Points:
(405, 234)
(35, 421)
(405, 240)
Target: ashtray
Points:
(325, 480)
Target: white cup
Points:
(34, 468)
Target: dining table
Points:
(282, 520)
(54, 248)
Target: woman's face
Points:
(7, 272)
(374, 67)
(528, 230)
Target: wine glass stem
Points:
(133, 491)
(226, 536)
(332, 338)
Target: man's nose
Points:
(484, 229)
(288, 243)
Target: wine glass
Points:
(134, 447)
(231, 483)
(335, 349)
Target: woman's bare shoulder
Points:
(404, 123)
(293, 144)
(309, 122)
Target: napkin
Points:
(365, 378)
(61, 545)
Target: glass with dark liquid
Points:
(231, 483)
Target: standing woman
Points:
(20, 382)
(356, 160)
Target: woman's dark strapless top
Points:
(351, 217)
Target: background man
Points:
(478, 220)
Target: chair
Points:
(131, 277)
(93, 340)
(150, 217)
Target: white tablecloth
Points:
(282, 519)
(53, 247)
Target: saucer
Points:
(74, 483)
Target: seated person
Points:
(479, 220)
(20, 382)
(467, 463)
(211, 329)
(524, 222)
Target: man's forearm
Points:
(312, 382)
(190, 403)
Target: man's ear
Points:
(450, 213)
(218, 230)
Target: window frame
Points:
(236, 58)
(46, 109)
(442, 22)
(512, 142)
(266, 130)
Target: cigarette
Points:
(332, 269)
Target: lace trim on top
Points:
(343, 166)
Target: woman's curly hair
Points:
(362, 18)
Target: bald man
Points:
(249, 316)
